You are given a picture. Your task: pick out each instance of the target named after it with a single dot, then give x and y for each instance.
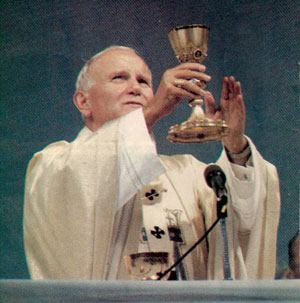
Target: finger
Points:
(184, 92)
(231, 84)
(240, 103)
(225, 89)
(196, 75)
(210, 104)
(191, 66)
(238, 88)
(189, 74)
(218, 114)
(189, 86)
(224, 105)
(225, 97)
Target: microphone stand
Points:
(221, 214)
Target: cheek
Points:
(100, 99)
(149, 95)
(111, 94)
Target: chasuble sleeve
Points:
(253, 209)
(73, 191)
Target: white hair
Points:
(84, 79)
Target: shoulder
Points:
(48, 154)
(272, 169)
(60, 148)
(55, 147)
(272, 177)
(52, 150)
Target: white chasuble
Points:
(86, 203)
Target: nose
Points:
(134, 87)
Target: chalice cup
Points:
(190, 44)
(147, 265)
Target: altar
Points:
(78, 291)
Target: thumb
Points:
(218, 114)
(210, 104)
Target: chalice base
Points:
(147, 265)
(198, 128)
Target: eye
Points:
(118, 77)
(143, 81)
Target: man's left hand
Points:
(232, 110)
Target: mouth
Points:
(134, 103)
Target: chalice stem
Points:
(197, 110)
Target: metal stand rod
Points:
(188, 251)
(221, 215)
(227, 270)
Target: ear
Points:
(82, 104)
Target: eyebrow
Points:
(147, 76)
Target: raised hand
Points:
(174, 86)
(233, 111)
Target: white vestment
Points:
(87, 201)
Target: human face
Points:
(122, 83)
(296, 271)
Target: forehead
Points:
(119, 60)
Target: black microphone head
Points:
(211, 171)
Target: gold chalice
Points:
(147, 265)
(190, 44)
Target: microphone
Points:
(216, 179)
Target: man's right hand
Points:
(173, 87)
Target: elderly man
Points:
(294, 257)
(108, 194)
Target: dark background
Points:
(45, 43)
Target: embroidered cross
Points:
(144, 235)
(173, 216)
(157, 232)
(175, 234)
(150, 195)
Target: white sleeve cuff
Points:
(139, 163)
